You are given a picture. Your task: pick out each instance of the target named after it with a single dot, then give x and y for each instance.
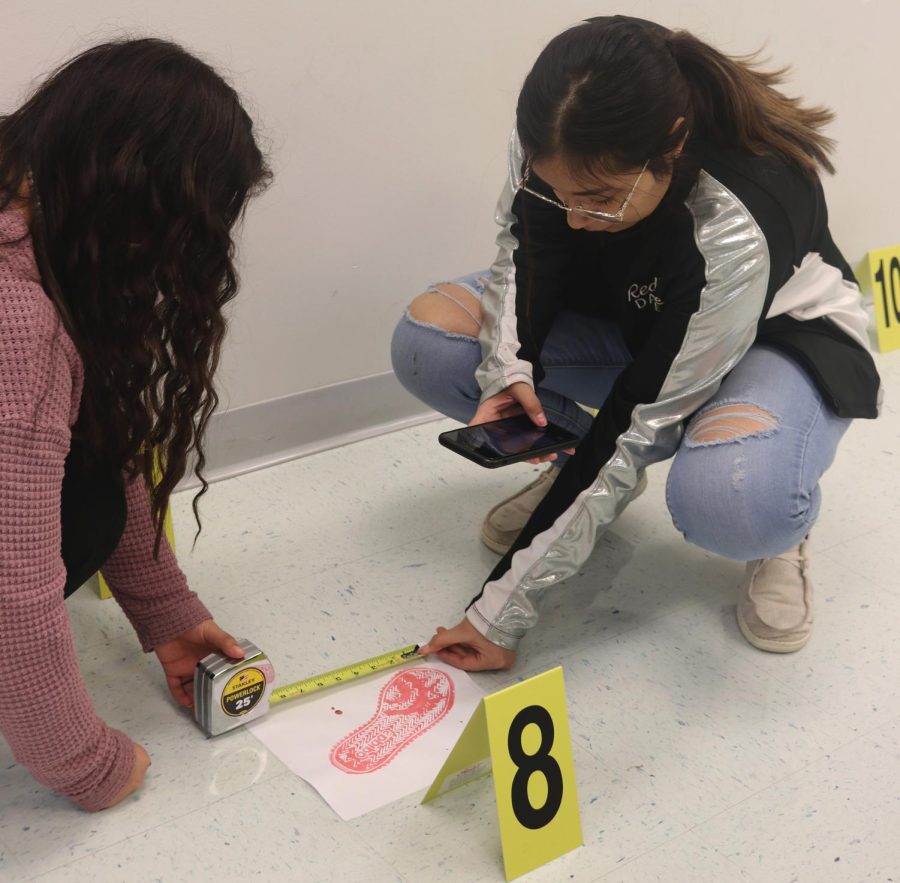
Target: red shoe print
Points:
(410, 703)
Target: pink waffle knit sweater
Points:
(46, 714)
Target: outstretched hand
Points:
(179, 657)
(465, 647)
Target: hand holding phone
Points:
(511, 440)
(517, 398)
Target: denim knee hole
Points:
(730, 422)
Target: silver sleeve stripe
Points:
(718, 335)
(499, 336)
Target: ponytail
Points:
(736, 104)
(608, 94)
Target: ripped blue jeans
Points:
(744, 482)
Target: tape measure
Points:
(229, 693)
(343, 675)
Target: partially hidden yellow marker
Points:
(878, 275)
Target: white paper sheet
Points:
(371, 742)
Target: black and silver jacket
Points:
(738, 252)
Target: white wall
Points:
(387, 123)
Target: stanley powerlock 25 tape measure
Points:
(229, 693)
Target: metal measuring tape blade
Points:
(229, 693)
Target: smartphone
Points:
(510, 440)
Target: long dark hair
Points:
(136, 160)
(606, 95)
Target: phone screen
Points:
(515, 437)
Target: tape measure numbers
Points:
(345, 674)
(231, 692)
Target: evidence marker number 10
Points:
(229, 693)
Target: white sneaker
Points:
(505, 521)
(775, 601)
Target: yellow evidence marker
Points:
(879, 276)
(522, 732)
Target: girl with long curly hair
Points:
(664, 257)
(121, 181)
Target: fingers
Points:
(182, 690)
(453, 643)
(141, 761)
(223, 642)
(482, 415)
(464, 647)
(549, 458)
(515, 399)
(438, 641)
(469, 657)
(531, 404)
(496, 408)
(136, 779)
(463, 661)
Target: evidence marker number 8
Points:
(540, 761)
(534, 772)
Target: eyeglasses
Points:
(615, 217)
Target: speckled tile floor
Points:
(698, 758)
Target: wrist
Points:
(490, 631)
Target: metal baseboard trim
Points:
(267, 433)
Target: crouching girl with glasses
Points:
(664, 256)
